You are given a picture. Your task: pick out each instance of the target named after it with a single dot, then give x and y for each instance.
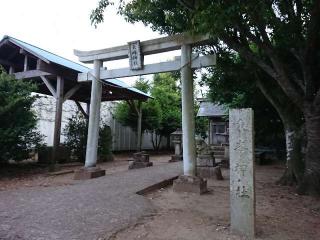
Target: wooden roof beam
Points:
(71, 92)
(30, 74)
(49, 86)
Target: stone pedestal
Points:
(136, 164)
(88, 173)
(140, 160)
(190, 184)
(177, 140)
(176, 158)
(205, 160)
(210, 172)
(206, 167)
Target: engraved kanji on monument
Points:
(242, 177)
(135, 56)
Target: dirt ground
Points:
(281, 214)
(32, 175)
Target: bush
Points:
(105, 144)
(76, 138)
(18, 134)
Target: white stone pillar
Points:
(188, 121)
(242, 177)
(94, 117)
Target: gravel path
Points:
(87, 210)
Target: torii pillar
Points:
(188, 182)
(90, 170)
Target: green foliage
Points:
(166, 92)
(201, 123)
(127, 112)
(234, 85)
(96, 15)
(105, 143)
(76, 132)
(162, 114)
(17, 121)
(280, 38)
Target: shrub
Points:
(18, 134)
(76, 138)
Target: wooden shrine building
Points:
(57, 77)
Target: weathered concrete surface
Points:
(94, 117)
(188, 120)
(191, 184)
(242, 189)
(84, 211)
(88, 173)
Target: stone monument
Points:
(140, 160)
(242, 187)
(177, 142)
(206, 165)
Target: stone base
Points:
(141, 156)
(209, 172)
(190, 184)
(136, 164)
(206, 160)
(176, 158)
(88, 173)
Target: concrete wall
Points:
(123, 137)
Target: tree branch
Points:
(278, 73)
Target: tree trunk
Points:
(139, 131)
(154, 144)
(291, 118)
(294, 160)
(160, 138)
(311, 178)
(168, 141)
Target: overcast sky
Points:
(60, 26)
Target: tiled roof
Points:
(209, 109)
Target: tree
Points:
(281, 38)
(167, 93)
(18, 122)
(234, 84)
(140, 116)
(161, 115)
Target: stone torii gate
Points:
(135, 52)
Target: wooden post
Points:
(11, 70)
(25, 65)
(57, 121)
